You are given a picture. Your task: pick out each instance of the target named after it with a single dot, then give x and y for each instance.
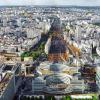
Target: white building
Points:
(98, 77)
(32, 33)
(47, 46)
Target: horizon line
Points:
(56, 5)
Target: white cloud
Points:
(50, 2)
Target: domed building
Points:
(57, 78)
(58, 84)
(52, 79)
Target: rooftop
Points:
(4, 82)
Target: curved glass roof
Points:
(58, 79)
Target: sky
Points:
(51, 2)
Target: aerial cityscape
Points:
(49, 53)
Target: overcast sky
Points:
(51, 2)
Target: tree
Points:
(53, 98)
(68, 98)
(36, 98)
(99, 97)
(40, 98)
(32, 98)
(94, 97)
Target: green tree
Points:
(94, 97)
(68, 98)
(32, 98)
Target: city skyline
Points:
(49, 51)
(51, 2)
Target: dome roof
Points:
(56, 67)
(58, 79)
